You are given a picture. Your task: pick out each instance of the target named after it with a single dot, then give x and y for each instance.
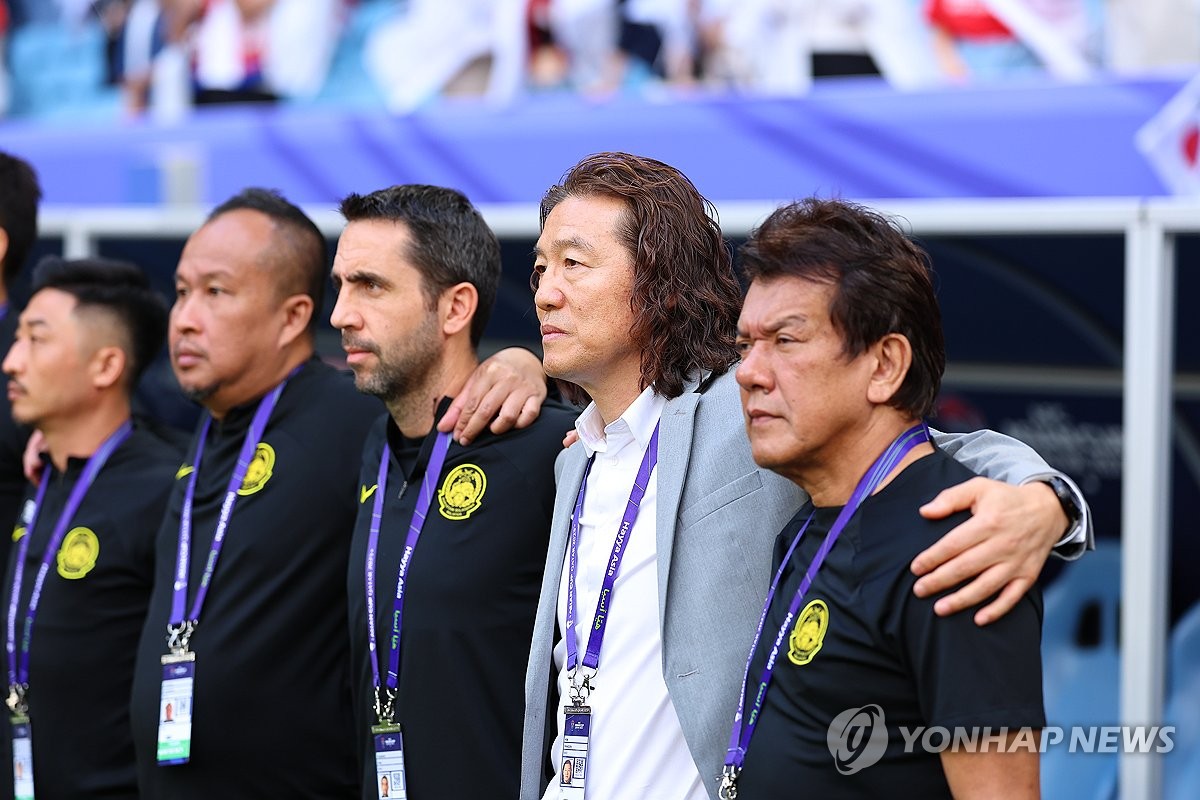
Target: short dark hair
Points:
(19, 198)
(686, 296)
(301, 255)
(449, 242)
(882, 282)
(118, 288)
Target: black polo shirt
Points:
(272, 701)
(89, 618)
(879, 644)
(470, 597)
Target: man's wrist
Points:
(1067, 501)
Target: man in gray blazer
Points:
(663, 526)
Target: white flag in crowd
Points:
(1170, 140)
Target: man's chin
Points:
(366, 383)
(27, 420)
(198, 394)
(559, 368)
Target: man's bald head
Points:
(297, 255)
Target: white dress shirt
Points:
(636, 750)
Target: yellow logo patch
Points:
(18, 532)
(462, 492)
(184, 470)
(259, 472)
(78, 553)
(809, 633)
(364, 494)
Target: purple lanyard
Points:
(18, 672)
(180, 628)
(591, 658)
(739, 737)
(432, 471)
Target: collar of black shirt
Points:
(411, 454)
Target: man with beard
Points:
(450, 540)
(246, 632)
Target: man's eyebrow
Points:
(573, 242)
(361, 276)
(208, 274)
(785, 321)
(776, 325)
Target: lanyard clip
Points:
(728, 788)
(16, 701)
(385, 705)
(179, 635)
(581, 685)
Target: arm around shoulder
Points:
(1003, 458)
(1013, 528)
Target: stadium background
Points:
(1035, 320)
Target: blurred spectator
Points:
(999, 38)
(658, 36)
(601, 46)
(142, 37)
(586, 31)
(547, 61)
(258, 50)
(752, 45)
(431, 47)
(112, 15)
(781, 46)
(966, 32)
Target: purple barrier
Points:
(856, 138)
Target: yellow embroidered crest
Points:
(259, 472)
(78, 553)
(462, 492)
(809, 633)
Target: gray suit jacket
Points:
(718, 516)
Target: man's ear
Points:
(893, 357)
(456, 306)
(297, 312)
(107, 366)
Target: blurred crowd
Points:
(175, 53)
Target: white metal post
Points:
(78, 240)
(1145, 497)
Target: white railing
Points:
(1149, 228)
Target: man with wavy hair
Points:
(663, 524)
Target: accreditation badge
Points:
(389, 762)
(175, 709)
(22, 755)
(572, 772)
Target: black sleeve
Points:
(966, 674)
